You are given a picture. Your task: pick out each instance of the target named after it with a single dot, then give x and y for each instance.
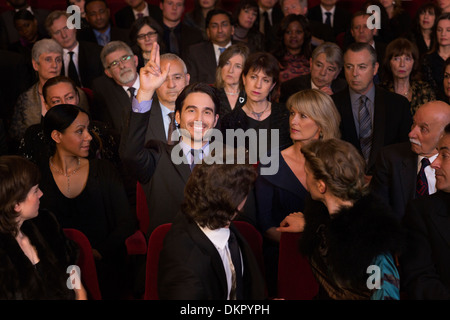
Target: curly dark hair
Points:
(214, 191)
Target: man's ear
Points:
(375, 69)
(108, 73)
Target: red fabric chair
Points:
(155, 244)
(137, 244)
(295, 278)
(254, 239)
(86, 263)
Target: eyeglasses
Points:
(147, 35)
(116, 63)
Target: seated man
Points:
(426, 259)
(134, 10)
(198, 260)
(326, 64)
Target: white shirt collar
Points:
(135, 85)
(217, 51)
(145, 11)
(219, 237)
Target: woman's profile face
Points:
(303, 128)
(146, 37)
(232, 70)
(29, 208)
(76, 139)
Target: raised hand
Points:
(151, 76)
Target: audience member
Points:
(143, 32)
(34, 250)
(135, 9)
(313, 116)
(329, 13)
(270, 16)
(359, 231)
(372, 117)
(326, 64)
(100, 30)
(398, 174)
(197, 260)
(197, 16)
(444, 5)
(446, 94)
(87, 195)
(202, 58)
(229, 85)
(8, 32)
(260, 77)
(433, 62)
(294, 47)
(81, 59)
(161, 123)
(246, 28)
(423, 27)
(80, 4)
(425, 262)
(399, 19)
(177, 36)
(402, 73)
(155, 164)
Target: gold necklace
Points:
(67, 175)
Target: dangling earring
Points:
(320, 135)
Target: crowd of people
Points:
(355, 119)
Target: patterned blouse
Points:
(422, 92)
(295, 65)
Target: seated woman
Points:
(246, 25)
(228, 78)
(62, 90)
(294, 48)
(143, 33)
(401, 73)
(34, 252)
(87, 194)
(313, 116)
(359, 231)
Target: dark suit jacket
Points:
(425, 262)
(89, 63)
(155, 129)
(394, 178)
(190, 268)
(111, 103)
(187, 37)
(342, 18)
(116, 34)
(162, 180)
(271, 36)
(391, 124)
(201, 62)
(303, 82)
(124, 18)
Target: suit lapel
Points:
(183, 169)
(211, 58)
(155, 128)
(408, 172)
(378, 126)
(440, 217)
(348, 122)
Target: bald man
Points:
(398, 166)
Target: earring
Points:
(320, 135)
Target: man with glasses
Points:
(114, 90)
(100, 30)
(81, 59)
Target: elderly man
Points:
(426, 259)
(81, 59)
(403, 170)
(371, 116)
(326, 63)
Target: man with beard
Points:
(114, 91)
(398, 166)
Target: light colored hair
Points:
(111, 47)
(318, 106)
(45, 46)
(333, 53)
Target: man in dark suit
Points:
(396, 169)
(114, 90)
(9, 32)
(204, 257)
(163, 169)
(86, 64)
(163, 105)
(270, 14)
(371, 117)
(339, 18)
(202, 58)
(425, 262)
(100, 30)
(177, 35)
(134, 10)
(326, 64)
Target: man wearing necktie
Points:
(163, 169)
(204, 256)
(403, 171)
(202, 58)
(270, 14)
